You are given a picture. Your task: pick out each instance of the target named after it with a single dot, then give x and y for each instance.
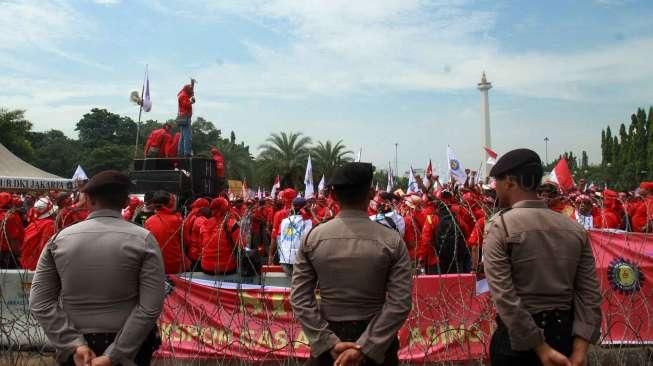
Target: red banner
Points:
(449, 321)
(624, 266)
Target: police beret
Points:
(299, 202)
(514, 160)
(112, 179)
(352, 174)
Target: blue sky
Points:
(369, 72)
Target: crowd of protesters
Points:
(442, 225)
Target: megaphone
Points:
(135, 98)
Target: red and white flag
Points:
(562, 175)
(275, 187)
(492, 156)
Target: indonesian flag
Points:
(492, 156)
(147, 103)
(562, 175)
(428, 173)
(275, 187)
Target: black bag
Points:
(249, 261)
(453, 254)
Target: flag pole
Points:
(140, 112)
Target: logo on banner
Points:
(625, 276)
(454, 164)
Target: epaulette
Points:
(304, 245)
(494, 218)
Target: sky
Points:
(370, 72)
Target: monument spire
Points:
(486, 136)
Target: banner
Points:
(448, 322)
(624, 266)
(36, 184)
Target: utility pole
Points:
(546, 150)
(396, 168)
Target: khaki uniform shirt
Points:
(102, 275)
(363, 272)
(538, 260)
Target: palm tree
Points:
(327, 156)
(285, 154)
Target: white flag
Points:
(322, 185)
(259, 194)
(80, 174)
(455, 168)
(360, 155)
(147, 103)
(309, 191)
(391, 181)
(412, 183)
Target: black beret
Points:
(108, 179)
(514, 160)
(352, 174)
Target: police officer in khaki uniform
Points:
(362, 270)
(541, 273)
(99, 284)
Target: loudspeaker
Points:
(174, 181)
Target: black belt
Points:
(546, 318)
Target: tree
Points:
(14, 131)
(205, 135)
(101, 127)
(55, 152)
(326, 156)
(107, 157)
(238, 160)
(286, 155)
(584, 161)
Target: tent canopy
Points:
(16, 174)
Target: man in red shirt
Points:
(194, 219)
(155, 146)
(69, 213)
(134, 203)
(11, 233)
(220, 237)
(425, 252)
(218, 160)
(172, 146)
(185, 99)
(166, 226)
(643, 216)
(37, 233)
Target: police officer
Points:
(541, 273)
(99, 284)
(363, 272)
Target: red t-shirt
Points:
(218, 161)
(37, 234)
(185, 106)
(172, 145)
(165, 225)
(159, 139)
(195, 244)
(11, 227)
(426, 246)
(219, 250)
(276, 222)
(70, 215)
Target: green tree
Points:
(238, 160)
(101, 127)
(286, 154)
(107, 157)
(55, 152)
(205, 135)
(14, 132)
(326, 156)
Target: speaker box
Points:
(173, 181)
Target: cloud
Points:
(342, 47)
(107, 2)
(45, 26)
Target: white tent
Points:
(16, 174)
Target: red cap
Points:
(219, 205)
(5, 199)
(289, 194)
(199, 203)
(647, 186)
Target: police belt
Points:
(546, 318)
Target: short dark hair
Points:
(161, 198)
(528, 177)
(114, 197)
(351, 194)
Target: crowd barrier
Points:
(452, 317)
